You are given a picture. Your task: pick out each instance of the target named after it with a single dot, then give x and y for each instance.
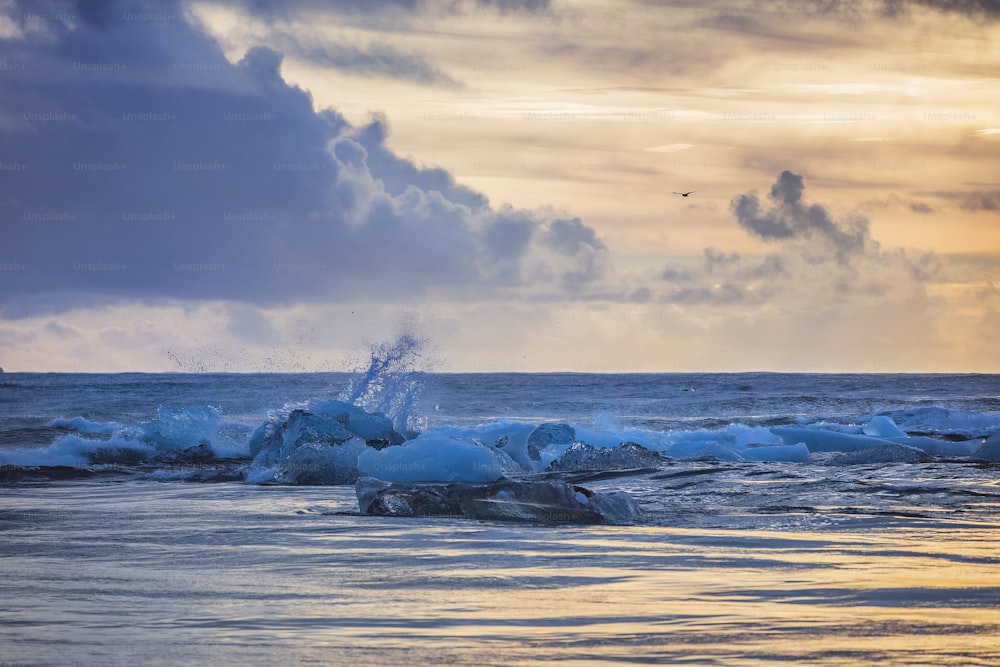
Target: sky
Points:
(265, 185)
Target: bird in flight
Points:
(684, 194)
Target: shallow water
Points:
(125, 571)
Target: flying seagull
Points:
(684, 194)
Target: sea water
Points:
(738, 561)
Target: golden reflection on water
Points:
(254, 576)
(603, 595)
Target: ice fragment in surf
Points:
(821, 440)
(269, 447)
(886, 453)
(548, 434)
(797, 453)
(882, 427)
(626, 456)
(938, 447)
(329, 422)
(990, 450)
(321, 464)
(433, 458)
(326, 424)
(818, 440)
(505, 500)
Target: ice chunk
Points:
(319, 421)
(176, 429)
(510, 438)
(705, 447)
(626, 456)
(270, 447)
(433, 457)
(990, 450)
(945, 421)
(882, 427)
(939, 447)
(505, 500)
(887, 453)
(820, 440)
(318, 463)
(369, 426)
(549, 434)
(823, 440)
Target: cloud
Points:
(820, 262)
(790, 218)
(863, 8)
(377, 59)
(284, 8)
(972, 200)
(140, 163)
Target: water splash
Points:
(393, 382)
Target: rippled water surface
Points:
(136, 572)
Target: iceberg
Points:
(504, 500)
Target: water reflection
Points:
(164, 574)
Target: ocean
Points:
(843, 519)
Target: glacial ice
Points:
(945, 421)
(334, 432)
(433, 457)
(884, 453)
(990, 450)
(271, 444)
(881, 426)
(546, 434)
(504, 500)
(626, 456)
(819, 440)
(877, 432)
(319, 463)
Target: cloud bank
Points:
(138, 162)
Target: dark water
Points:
(739, 563)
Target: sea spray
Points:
(392, 382)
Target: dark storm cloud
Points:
(790, 218)
(136, 161)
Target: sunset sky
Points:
(257, 185)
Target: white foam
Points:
(73, 451)
(84, 425)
